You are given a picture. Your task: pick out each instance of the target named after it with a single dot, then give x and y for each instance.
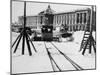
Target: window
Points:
(84, 18)
(77, 18)
(80, 18)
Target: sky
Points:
(33, 8)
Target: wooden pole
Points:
(23, 43)
(24, 35)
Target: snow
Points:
(40, 62)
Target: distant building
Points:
(74, 20)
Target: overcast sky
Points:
(34, 8)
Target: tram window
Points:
(84, 17)
(51, 19)
(49, 30)
(78, 18)
(43, 28)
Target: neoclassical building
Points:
(74, 20)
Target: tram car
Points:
(47, 33)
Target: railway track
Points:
(53, 61)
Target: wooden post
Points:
(24, 32)
(24, 35)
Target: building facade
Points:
(73, 20)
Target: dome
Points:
(47, 11)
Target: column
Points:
(86, 20)
(61, 19)
(68, 22)
(66, 19)
(56, 20)
(36, 22)
(79, 22)
(71, 22)
(83, 21)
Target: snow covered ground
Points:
(40, 62)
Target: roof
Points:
(72, 11)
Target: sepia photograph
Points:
(52, 37)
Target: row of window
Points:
(68, 18)
(76, 27)
(77, 18)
